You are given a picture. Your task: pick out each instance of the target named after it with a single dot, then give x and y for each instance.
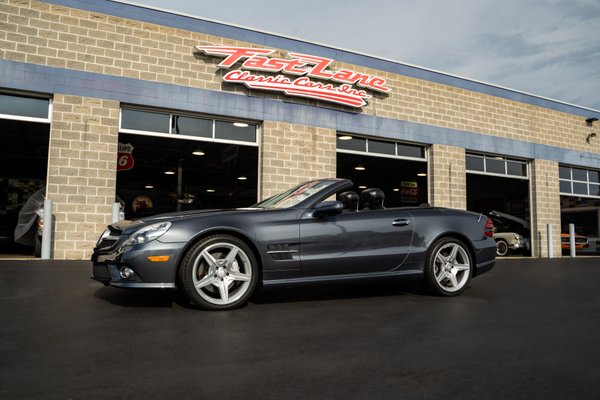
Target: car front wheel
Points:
(448, 267)
(218, 273)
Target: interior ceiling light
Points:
(422, 174)
(210, 190)
(396, 190)
(362, 187)
(360, 167)
(345, 137)
(198, 152)
(149, 187)
(242, 178)
(169, 172)
(240, 124)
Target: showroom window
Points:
(580, 206)
(498, 187)
(170, 161)
(399, 169)
(25, 108)
(579, 181)
(496, 165)
(157, 123)
(25, 134)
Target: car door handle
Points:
(401, 222)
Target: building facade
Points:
(104, 102)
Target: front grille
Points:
(101, 272)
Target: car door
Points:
(355, 242)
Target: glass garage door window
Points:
(170, 161)
(399, 169)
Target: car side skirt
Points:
(347, 278)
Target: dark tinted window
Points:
(564, 173)
(474, 163)
(144, 121)
(235, 131)
(495, 166)
(24, 106)
(516, 168)
(580, 188)
(357, 144)
(579, 174)
(410, 151)
(192, 126)
(565, 186)
(376, 146)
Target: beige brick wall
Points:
(81, 171)
(546, 207)
(292, 154)
(447, 177)
(41, 33)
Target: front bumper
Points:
(144, 273)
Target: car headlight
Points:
(104, 235)
(148, 233)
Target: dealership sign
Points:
(298, 75)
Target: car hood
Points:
(125, 224)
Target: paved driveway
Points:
(530, 329)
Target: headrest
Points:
(372, 199)
(349, 200)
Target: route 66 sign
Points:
(125, 157)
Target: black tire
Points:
(448, 267)
(501, 248)
(218, 273)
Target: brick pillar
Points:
(291, 154)
(546, 207)
(81, 171)
(448, 179)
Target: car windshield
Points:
(295, 195)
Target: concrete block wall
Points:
(291, 154)
(447, 177)
(81, 171)
(545, 206)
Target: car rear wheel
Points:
(501, 248)
(218, 273)
(448, 267)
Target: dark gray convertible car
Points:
(316, 232)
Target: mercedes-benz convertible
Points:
(317, 232)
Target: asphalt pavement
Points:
(529, 329)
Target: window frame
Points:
(497, 158)
(382, 155)
(27, 118)
(171, 135)
(571, 181)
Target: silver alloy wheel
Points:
(222, 273)
(452, 267)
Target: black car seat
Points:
(372, 199)
(350, 200)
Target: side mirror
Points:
(328, 209)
